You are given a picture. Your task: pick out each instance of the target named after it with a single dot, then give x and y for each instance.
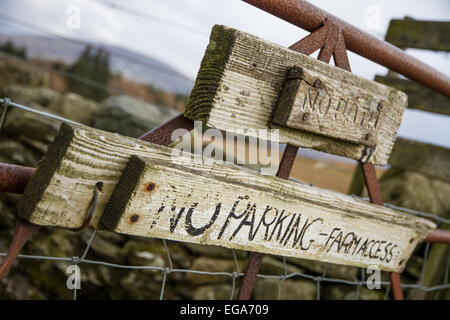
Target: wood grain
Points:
(223, 204)
(241, 78)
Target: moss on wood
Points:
(47, 167)
(208, 79)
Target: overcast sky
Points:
(179, 30)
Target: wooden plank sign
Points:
(153, 191)
(350, 114)
(240, 81)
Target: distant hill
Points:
(156, 73)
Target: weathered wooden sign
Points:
(240, 85)
(346, 113)
(153, 191)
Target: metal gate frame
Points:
(333, 37)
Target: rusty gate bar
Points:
(370, 178)
(368, 169)
(396, 284)
(24, 230)
(162, 135)
(287, 161)
(325, 39)
(438, 236)
(255, 258)
(309, 17)
(14, 179)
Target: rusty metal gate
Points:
(333, 37)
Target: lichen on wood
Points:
(208, 78)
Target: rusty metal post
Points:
(373, 188)
(14, 179)
(162, 135)
(324, 38)
(24, 230)
(368, 169)
(396, 284)
(255, 258)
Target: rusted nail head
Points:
(134, 218)
(305, 116)
(151, 186)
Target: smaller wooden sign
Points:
(241, 80)
(345, 112)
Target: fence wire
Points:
(169, 269)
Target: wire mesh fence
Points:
(319, 279)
